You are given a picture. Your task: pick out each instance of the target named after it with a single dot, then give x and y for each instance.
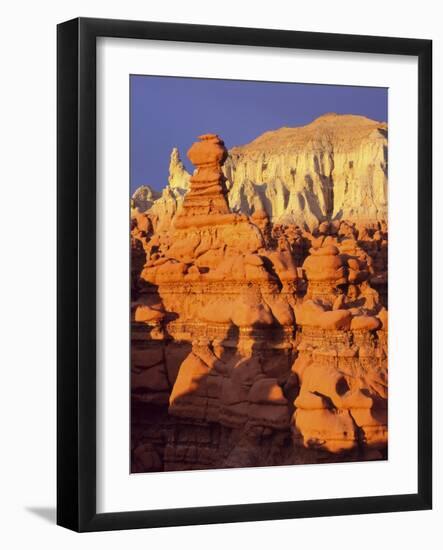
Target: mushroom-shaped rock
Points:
(148, 314)
(282, 311)
(268, 406)
(320, 268)
(209, 151)
(365, 322)
(339, 319)
(310, 401)
(250, 313)
(325, 381)
(308, 313)
(267, 391)
(283, 264)
(326, 250)
(333, 431)
(189, 380)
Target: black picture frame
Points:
(76, 264)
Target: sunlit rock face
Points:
(178, 176)
(163, 209)
(254, 341)
(332, 169)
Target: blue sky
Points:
(169, 112)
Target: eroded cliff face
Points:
(332, 169)
(254, 343)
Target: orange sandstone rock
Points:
(253, 342)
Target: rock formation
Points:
(206, 197)
(332, 169)
(178, 176)
(254, 342)
(144, 198)
(163, 210)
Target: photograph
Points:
(233, 233)
(259, 273)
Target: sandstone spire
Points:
(206, 199)
(178, 176)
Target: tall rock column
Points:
(207, 194)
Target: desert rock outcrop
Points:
(334, 168)
(254, 342)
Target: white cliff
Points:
(335, 167)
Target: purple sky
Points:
(169, 112)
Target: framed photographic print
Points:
(239, 212)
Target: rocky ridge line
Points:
(331, 169)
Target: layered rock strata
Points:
(253, 342)
(334, 168)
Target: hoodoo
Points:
(205, 203)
